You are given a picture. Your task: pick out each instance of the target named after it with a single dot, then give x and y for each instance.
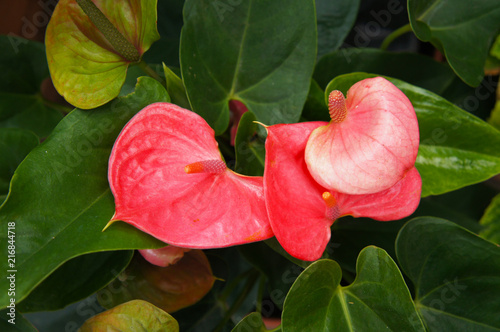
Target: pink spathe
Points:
(199, 206)
(299, 211)
(372, 148)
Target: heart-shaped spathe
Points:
(169, 180)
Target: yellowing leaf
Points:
(85, 68)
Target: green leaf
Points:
(378, 300)
(335, 20)
(456, 148)
(15, 144)
(175, 88)
(60, 198)
(413, 68)
(85, 68)
(250, 151)
(251, 323)
(491, 221)
(135, 315)
(258, 52)
(462, 30)
(455, 272)
(75, 280)
(23, 67)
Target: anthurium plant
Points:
(250, 165)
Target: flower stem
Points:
(151, 72)
(113, 36)
(395, 34)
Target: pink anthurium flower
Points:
(301, 211)
(169, 180)
(370, 143)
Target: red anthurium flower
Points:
(169, 180)
(301, 211)
(371, 142)
(165, 256)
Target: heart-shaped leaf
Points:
(15, 144)
(135, 315)
(451, 154)
(378, 300)
(68, 174)
(23, 67)
(169, 288)
(76, 279)
(491, 221)
(462, 30)
(335, 20)
(89, 51)
(456, 275)
(261, 53)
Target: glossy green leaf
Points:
(350, 235)
(452, 154)
(85, 68)
(175, 88)
(491, 221)
(413, 68)
(169, 288)
(455, 272)
(15, 144)
(250, 150)
(378, 300)
(60, 198)
(76, 279)
(259, 52)
(462, 30)
(251, 323)
(135, 315)
(335, 20)
(13, 321)
(23, 67)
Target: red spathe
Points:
(297, 211)
(153, 192)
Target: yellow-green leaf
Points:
(85, 68)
